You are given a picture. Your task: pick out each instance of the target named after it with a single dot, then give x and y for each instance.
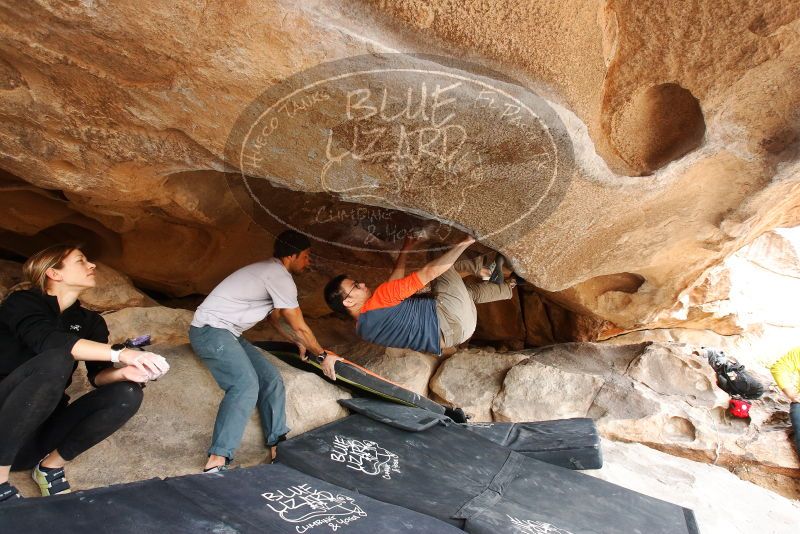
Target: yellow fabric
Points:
(786, 371)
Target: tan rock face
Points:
(114, 291)
(165, 325)
(471, 379)
(683, 141)
(756, 286)
(408, 368)
(171, 432)
(535, 392)
(745, 306)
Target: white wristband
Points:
(115, 355)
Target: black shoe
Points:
(497, 272)
(456, 414)
(8, 493)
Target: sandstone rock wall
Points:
(746, 306)
(682, 120)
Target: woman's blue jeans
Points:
(249, 380)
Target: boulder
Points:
(535, 392)
(663, 396)
(408, 368)
(673, 373)
(113, 291)
(165, 325)
(171, 432)
(471, 379)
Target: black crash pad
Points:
(399, 416)
(571, 443)
(146, 506)
(353, 375)
(457, 476)
(270, 498)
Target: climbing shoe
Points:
(497, 270)
(51, 481)
(8, 493)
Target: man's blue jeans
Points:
(248, 379)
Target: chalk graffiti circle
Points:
(383, 136)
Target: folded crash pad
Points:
(354, 375)
(572, 443)
(455, 475)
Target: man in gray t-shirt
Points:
(244, 298)
(247, 296)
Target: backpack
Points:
(732, 378)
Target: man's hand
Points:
(301, 349)
(410, 243)
(328, 365)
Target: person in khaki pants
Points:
(393, 316)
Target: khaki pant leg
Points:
(481, 292)
(455, 309)
(471, 266)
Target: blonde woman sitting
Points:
(44, 332)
